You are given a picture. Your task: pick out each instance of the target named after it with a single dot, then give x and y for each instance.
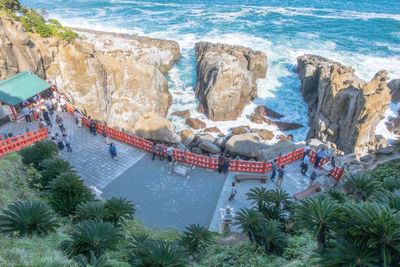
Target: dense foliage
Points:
(37, 153)
(35, 22)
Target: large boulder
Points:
(245, 144)
(343, 109)
(183, 114)
(394, 86)
(187, 137)
(155, 127)
(226, 78)
(265, 134)
(195, 123)
(209, 147)
(264, 111)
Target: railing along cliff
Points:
(210, 162)
(16, 143)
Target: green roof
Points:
(22, 86)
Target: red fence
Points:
(210, 162)
(16, 143)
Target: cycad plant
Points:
(38, 152)
(194, 238)
(318, 213)
(92, 261)
(378, 225)
(271, 237)
(66, 192)
(119, 209)
(138, 245)
(258, 195)
(91, 210)
(162, 253)
(93, 235)
(279, 198)
(249, 220)
(348, 251)
(362, 185)
(51, 168)
(28, 217)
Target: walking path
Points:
(163, 200)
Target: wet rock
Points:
(287, 126)
(197, 150)
(195, 123)
(245, 144)
(256, 118)
(384, 151)
(266, 135)
(266, 112)
(220, 142)
(205, 137)
(183, 114)
(221, 135)
(212, 130)
(239, 130)
(367, 158)
(209, 147)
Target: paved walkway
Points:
(163, 200)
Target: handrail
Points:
(16, 143)
(210, 162)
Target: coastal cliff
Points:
(114, 78)
(226, 78)
(343, 109)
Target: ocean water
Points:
(361, 34)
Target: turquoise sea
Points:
(362, 34)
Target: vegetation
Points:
(35, 22)
(51, 168)
(36, 154)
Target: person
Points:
(59, 142)
(281, 174)
(313, 177)
(154, 149)
(113, 151)
(273, 169)
(233, 192)
(227, 163)
(93, 127)
(89, 121)
(221, 161)
(304, 164)
(170, 153)
(63, 104)
(49, 106)
(105, 135)
(306, 150)
(320, 154)
(67, 142)
(333, 163)
(46, 117)
(76, 117)
(25, 103)
(42, 123)
(161, 151)
(25, 112)
(60, 124)
(56, 96)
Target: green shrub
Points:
(12, 5)
(119, 210)
(91, 210)
(38, 152)
(93, 235)
(51, 168)
(194, 238)
(28, 217)
(66, 192)
(388, 175)
(91, 261)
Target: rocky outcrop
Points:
(245, 144)
(154, 127)
(187, 137)
(183, 114)
(195, 123)
(209, 147)
(226, 78)
(265, 134)
(394, 86)
(343, 109)
(17, 52)
(212, 130)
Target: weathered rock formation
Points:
(195, 123)
(226, 78)
(343, 109)
(245, 144)
(394, 86)
(183, 114)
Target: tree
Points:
(271, 237)
(194, 238)
(319, 213)
(249, 221)
(280, 198)
(164, 254)
(28, 217)
(51, 168)
(12, 5)
(258, 195)
(348, 251)
(119, 209)
(91, 210)
(362, 186)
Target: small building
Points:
(25, 88)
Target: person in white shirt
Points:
(63, 104)
(25, 112)
(67, 142)
(304, 164)
(233, 192)
(170, 152)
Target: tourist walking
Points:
(154, 149)
(105, 135)
(333, 163)
(25, 112)
(113, 151)
(273, 169)
(67, 142)
(306, 150)
(42, 123)
(233, 192)
(60, 124)
(59, 142)
(313, 177)
(46, 117)
(89, 121)
(304, 164)
(170, 153)
(77, 117)
(281, 174)
(49, 106)
(93, 127)
(56, 96)
(161, 151)
(320, 154)
(227, 163)
(221, 161)
(63, 104)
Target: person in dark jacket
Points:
(154, 149)
(113, 151)
(46, 117)
(227, 163)
(221, 161)
(273, 169)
